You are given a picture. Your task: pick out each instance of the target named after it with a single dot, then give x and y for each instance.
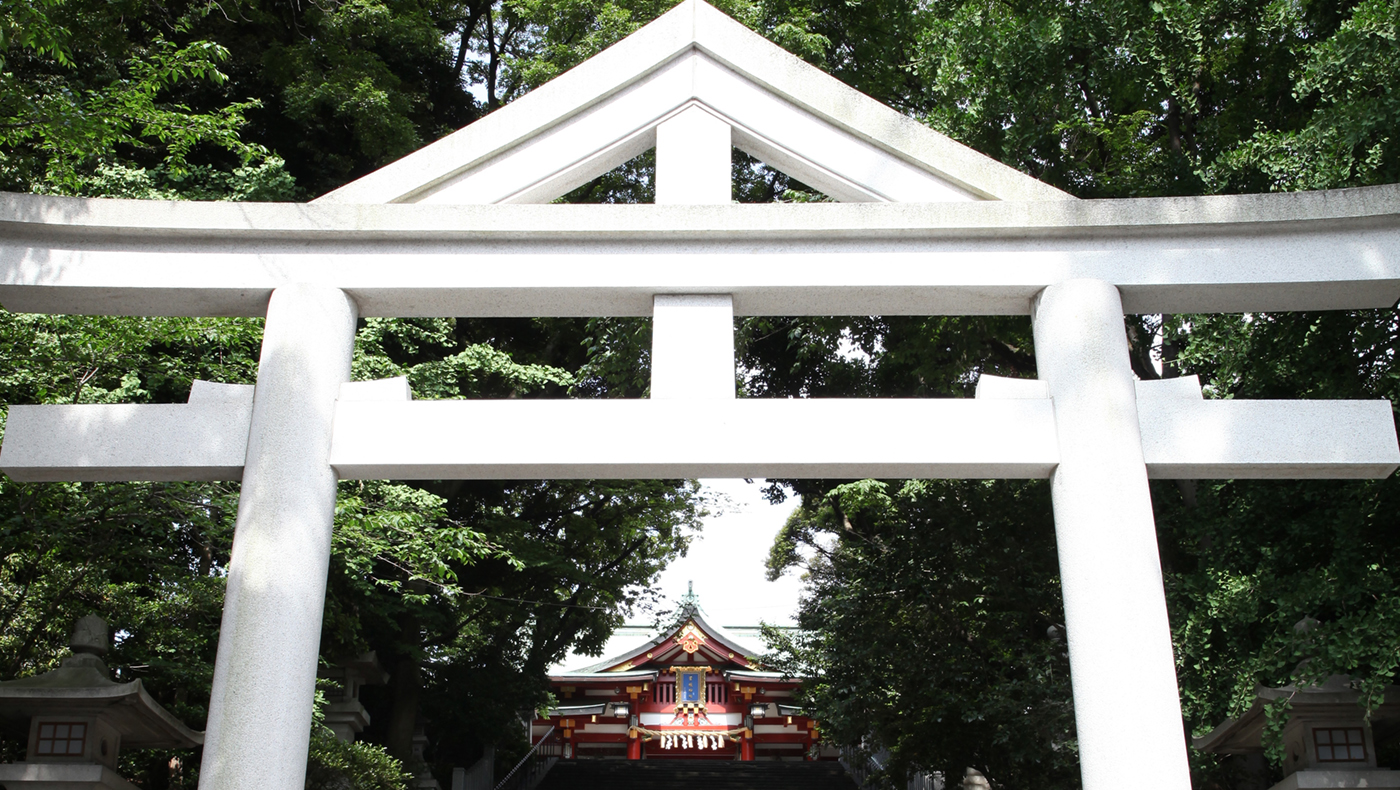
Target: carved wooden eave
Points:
(659, 653)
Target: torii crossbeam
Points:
(1008, 431)
(941, 230)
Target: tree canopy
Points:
(932, 621)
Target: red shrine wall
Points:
(688, 698)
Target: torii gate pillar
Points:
(1115, 610)
(265, 674)
(926, 233)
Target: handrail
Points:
(861, 770)
(535, 764)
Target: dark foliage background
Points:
(931, 606)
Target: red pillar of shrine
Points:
(746, 748)
(634, 747)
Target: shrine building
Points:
(925, 226)
(692, 691)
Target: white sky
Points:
(726, 560)
(726, 563)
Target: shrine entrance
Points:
(691, 692)
(926, 227)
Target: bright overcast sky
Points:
(726, 560)
(726, 563)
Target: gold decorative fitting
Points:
(690, 638)
(690, 689)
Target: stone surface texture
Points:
(693, 159)
(84, 688)
(573, 439)
(1234, 253)
(81, 692)
(1213, 439)
(1330, 705)
(1330, 780)
(60, 776)
(1126, 706)
(265, 673)
(205, 439)
(380, 434)
(692, 342)
(926, 227)
(90, 635)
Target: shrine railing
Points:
(664, 693)
(716, 692)
(535, 764)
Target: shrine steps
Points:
(709, 774)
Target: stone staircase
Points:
(707, 774)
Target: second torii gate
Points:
(930, 228)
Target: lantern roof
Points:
(81, 686)
(1334, 698)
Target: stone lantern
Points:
(79, 720)
(345, 714)
(1328, 740)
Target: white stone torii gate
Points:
(928, 227)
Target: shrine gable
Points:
(694, 641)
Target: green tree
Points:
(1103, 98)
(1111, 100)
(467, 638)
(489, 582)
(148, 557)
(929, 626)
(89, 105)
(1248, 560)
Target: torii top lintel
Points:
(1329, 250)
(927, 226)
